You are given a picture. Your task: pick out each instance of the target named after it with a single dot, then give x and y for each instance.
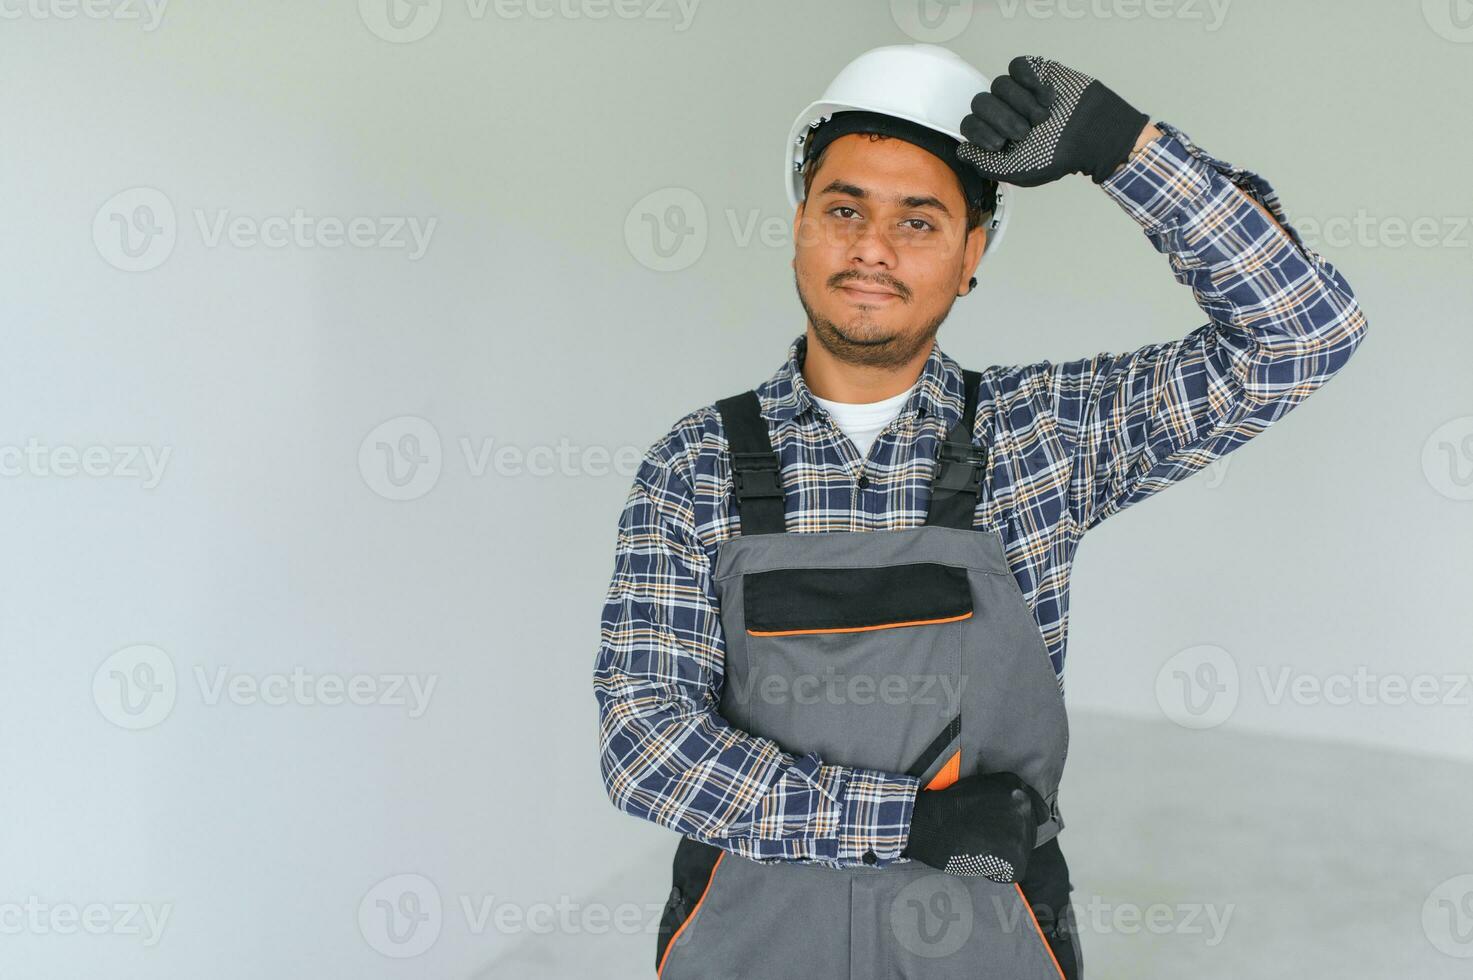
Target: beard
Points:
(864, 342)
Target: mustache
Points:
(883, 282)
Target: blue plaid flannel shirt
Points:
(1070, 444)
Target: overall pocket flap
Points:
(837, 600)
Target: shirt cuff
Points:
(1172, 179)
(875, 820)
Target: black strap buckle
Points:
(756, 475)
(959, 466)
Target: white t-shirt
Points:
(863, 421)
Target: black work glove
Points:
(985, 824)
(1043, 120)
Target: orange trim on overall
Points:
(719, 858)
(1039, 929)
(859, 629)
(948, 773)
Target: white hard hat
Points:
(922, 83)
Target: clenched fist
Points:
(1043, 120)
(985, 824)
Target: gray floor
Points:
(1263, 858)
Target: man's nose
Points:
(872, 246)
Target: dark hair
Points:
(976, 211)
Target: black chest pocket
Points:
(817, 600)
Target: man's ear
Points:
(976, 245)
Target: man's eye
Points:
(923, 223)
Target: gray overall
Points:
(907, 651)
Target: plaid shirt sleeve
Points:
(668, 756)
(1282, 322)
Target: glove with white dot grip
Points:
(1043, 120)
(985, 824)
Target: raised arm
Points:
(1282, 321)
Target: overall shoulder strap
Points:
(956, 487)
(755, 471)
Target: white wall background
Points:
(525, 147)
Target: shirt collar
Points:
(785, 396)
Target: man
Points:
(833, 644)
